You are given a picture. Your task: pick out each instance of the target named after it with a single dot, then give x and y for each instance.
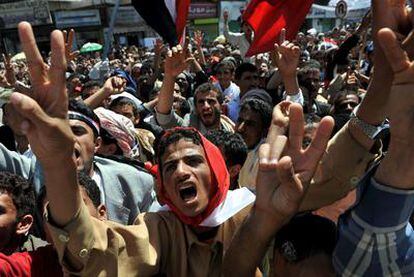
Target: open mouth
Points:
(207, 115)
(188, 193)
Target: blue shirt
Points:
(375, 237)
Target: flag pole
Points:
(109, 35)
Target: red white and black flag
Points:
(268, 17)
(167, 17)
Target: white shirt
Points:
(98, 180)
(238, 39)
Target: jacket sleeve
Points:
(338, 172)
(375, 237)
(13, 162)
(168, 121)
(341, 55)
(89, 247)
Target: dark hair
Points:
(263, 109)
(244, 67)
(233, 145)
(81, 77)
(122, 101)
(226, 65)
(184, 108)
(90, 84)
(309, 66)
(80, 107)
(207, 87)
(342, 96)
(107, 139)
(306, 236)
(20, 191)
(173, 136)
(91, 188)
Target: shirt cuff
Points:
(383, 209)
(294, 98)
(75, 239)
(164, 119)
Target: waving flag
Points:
(167, 17)
(269, 17)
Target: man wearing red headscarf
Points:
(185, 237)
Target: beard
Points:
(214, 121)
(86, 167)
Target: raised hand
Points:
(280, 119)
(286, 56)
(401, 100)
(44, 113)
(114, 85)
(70, 56)
(10, 76)
(176, 61)
(198, 38)
(278, 190)
(158, 46)
(226, 16)
(396, 169)
(305, 161)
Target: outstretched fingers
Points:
(34, 60)
(282, 36)
(296, 127)
(58, 60)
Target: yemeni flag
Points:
(268, 17)
(167, 17)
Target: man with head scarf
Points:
(121, 129)
(187, 236)
(129, 141)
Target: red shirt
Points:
(41, 262)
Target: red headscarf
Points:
(220, 181)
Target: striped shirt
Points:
(375, 236)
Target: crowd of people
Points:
(196, 160)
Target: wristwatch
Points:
(371, 131)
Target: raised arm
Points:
(198, 39)
(232, 38)
(378, 226)
(158, 49)
(44, 112)
(285, 57)
(112, 86)
(351, 150)
(175, 63)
